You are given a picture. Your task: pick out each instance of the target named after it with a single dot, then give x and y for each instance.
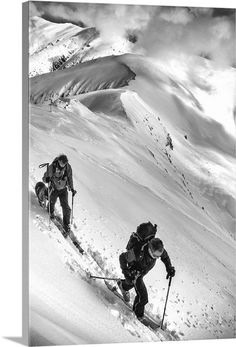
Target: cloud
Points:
(177, 15)
(221, 29)
(201, 11)
(96, 14)
(33, 10)
(110, 20)
(189, 32)
(116, 20)
(160, 31)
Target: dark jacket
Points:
(139, 259)
(59, 178)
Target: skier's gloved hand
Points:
(73, 191)
(170, 272)
(129, 275)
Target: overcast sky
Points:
(159, 30)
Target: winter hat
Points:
(63, 158)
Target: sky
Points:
(158, 30)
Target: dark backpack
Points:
(144, 233)
(54, 164)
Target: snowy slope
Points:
(111, 117)
(42, 33)
(49, 42)
(62, 300)
(108, 72)
(205, 152)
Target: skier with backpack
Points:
(59, 178)
(143, 249)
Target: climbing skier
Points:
(169, 142)
(59, 178)
(135, 264)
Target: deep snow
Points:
(111, 117)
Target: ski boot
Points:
(74, 240)
(141, 319)
(125, 293)
(52, 216)
(67, 231)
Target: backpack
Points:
(41, 192)
(54, 162)
(144, 233)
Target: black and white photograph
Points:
(131, 172)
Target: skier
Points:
(59, 177)
(169, 142)
(135, 264)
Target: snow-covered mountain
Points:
(114, 117)
(54, 46)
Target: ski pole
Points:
(49, 194)
(44, 164)
(104, 278)
(49, 203)
(72, 208)
(166, 303)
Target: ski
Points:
(77, 245)
(147, 320)
(57, 221)
(59, 224)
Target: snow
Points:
(50, 41)
(83, 78)
(111, 116)
(43, 33)
(62, 321)
(212, 85)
